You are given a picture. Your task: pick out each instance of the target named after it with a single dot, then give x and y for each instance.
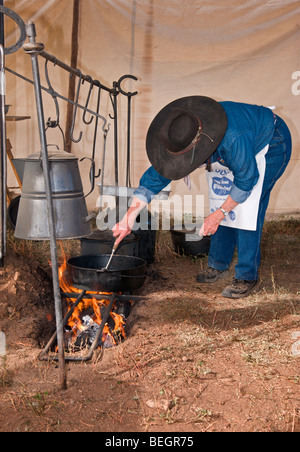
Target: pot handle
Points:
(146, 275)
(57, 147)
(40, 159)
(90, 217)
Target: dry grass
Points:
(40, 250)
(193, 361)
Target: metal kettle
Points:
(70, 210)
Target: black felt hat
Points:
(184, 134)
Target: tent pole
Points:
(2, 25)
(32, 48)
(3, 164)
(3, 149)
(72, 82)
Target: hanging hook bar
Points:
(26, 79)
(86, 78)
(75, 111)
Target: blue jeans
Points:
(225, 240)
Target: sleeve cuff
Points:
(239, 195)
(144, 194)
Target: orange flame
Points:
(75, 322)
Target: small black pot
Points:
(138, 244)
(188, 243)
(102, 242)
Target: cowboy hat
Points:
(184, 134)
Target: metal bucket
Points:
(70, 210)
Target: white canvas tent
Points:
(239, 50)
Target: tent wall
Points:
(239, 50)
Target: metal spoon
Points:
(105, 269)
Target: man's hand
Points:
(123, 229)
(212, 222)
(125, 226)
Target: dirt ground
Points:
(192, 361)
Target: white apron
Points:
(220, 181)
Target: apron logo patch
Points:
(221, 186)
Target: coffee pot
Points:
(69, 206)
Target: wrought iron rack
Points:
(36, 50)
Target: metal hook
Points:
(55, 123)
(52, 92)
(92, 175)
(113, 97)
(113, 102)
(75, 111)
(96, 128)
(125, 93)
(87, 122)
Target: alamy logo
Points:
(296, 345)
(296, 84)
(185, 211)
(2, 344)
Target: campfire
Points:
(85, 320)
(98, 303)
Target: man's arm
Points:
(151, 183)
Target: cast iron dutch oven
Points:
(187, 242)
(125, 273)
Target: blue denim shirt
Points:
(250, 129)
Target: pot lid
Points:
(53, 155)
